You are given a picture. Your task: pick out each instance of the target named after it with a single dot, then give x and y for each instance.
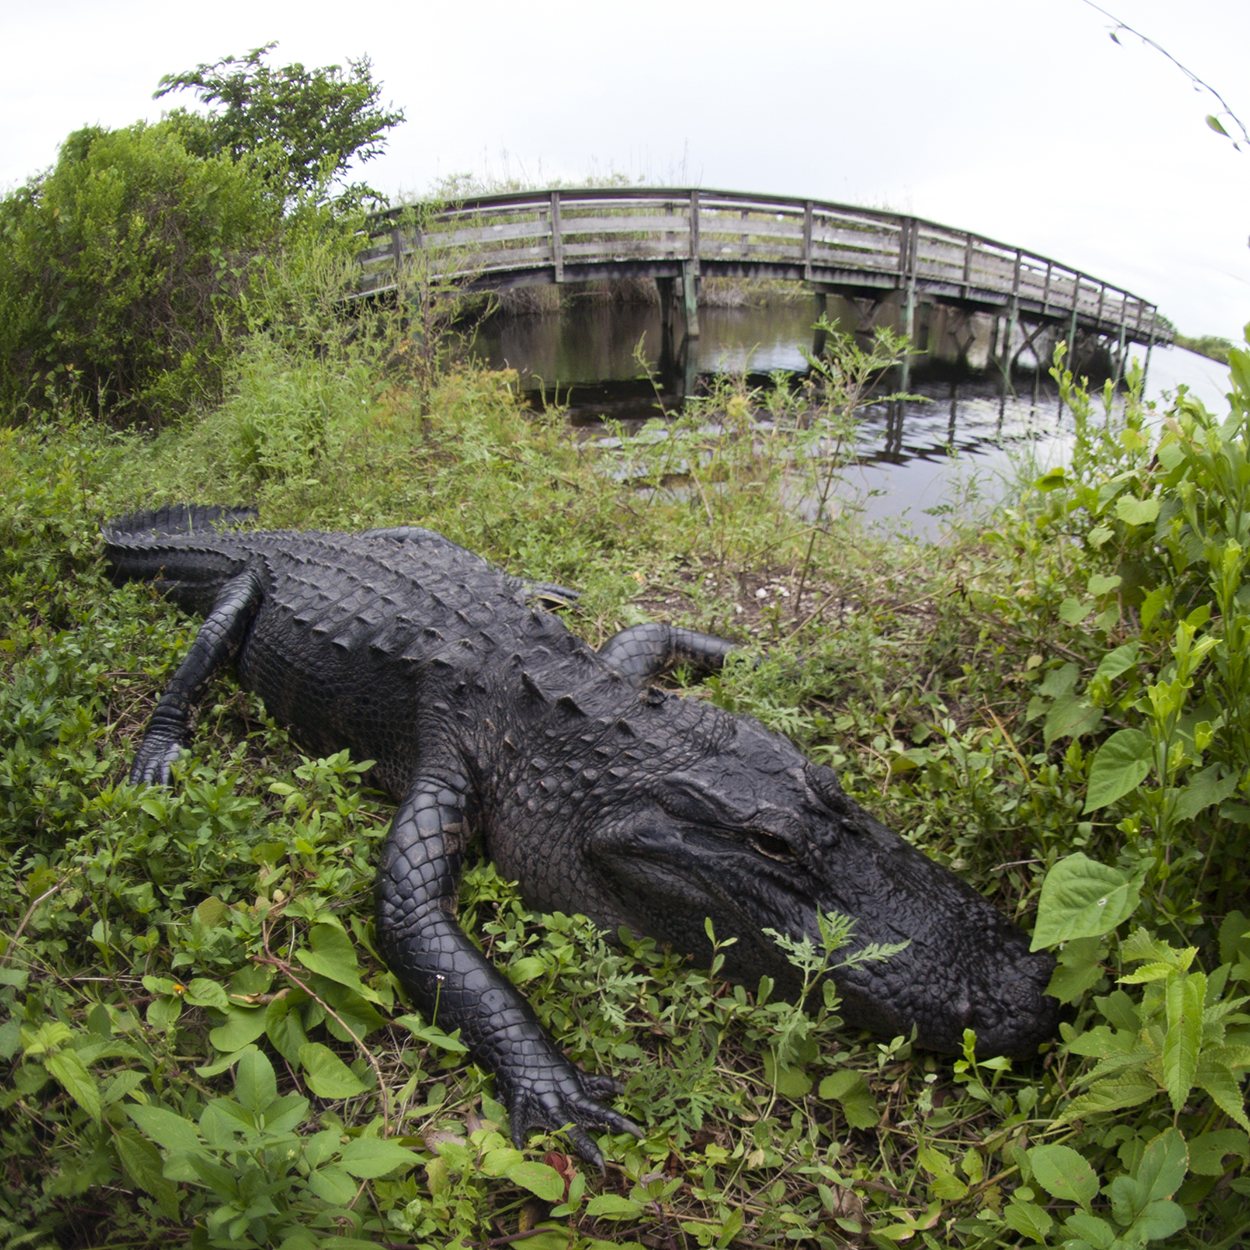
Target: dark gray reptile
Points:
(596, 792)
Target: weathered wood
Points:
(519, 238)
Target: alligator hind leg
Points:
(645, 651)
(216, 644)
(454, 984)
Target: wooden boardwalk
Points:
(495, 242)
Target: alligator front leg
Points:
(453, 983)
(216, 644)
(645, 651)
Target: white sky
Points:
(1019, 119)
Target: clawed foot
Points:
(567, 1100)
(159, 750)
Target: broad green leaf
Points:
(285, 1113)
(1074, 611)
(1078, 969)
(1157, 1176)
(1224, 1088)
(1070, 717)
(1064, 1173)
(163, 1013)
(850, 1090)
(143, 1164)
(255, 1085)
(328, 1076)
(1102, 584)
(789, 1082)
(1120, 766)
(331, 1184)
(283, 1025)
(1206, 1153)
(539, 1179)
(1112, 1094)
(1096, 1233)
(1204, 789)
(613, 1207)
(220, 1180)
(1183, 1039)
(1082, 898)
(433, 1035)
(371, 1157)
(164, 1127)
(945, 1184)
(526, 969)
(205, 993)
(1137, 511)
(80, 1085)
(1118, 661)
(352, 1011)
(333, 956)
(1160, 1219)
(243, 1025)
(1028, 1219)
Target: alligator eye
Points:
(774, 848)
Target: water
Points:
(918, 462)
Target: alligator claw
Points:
(156, 754)
(568, 1103)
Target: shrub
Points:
(125, 273)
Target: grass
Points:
(149, 939)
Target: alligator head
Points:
(736, 825)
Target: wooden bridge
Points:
(673, 235)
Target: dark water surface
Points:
(955, 452)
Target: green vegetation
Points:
(198, 1043)
(1206, 345)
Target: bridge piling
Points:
(690, 296)
(818, 335)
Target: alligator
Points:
(597, 791)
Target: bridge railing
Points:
(523, 238)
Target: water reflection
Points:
(953, 450)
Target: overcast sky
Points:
(1019, 119)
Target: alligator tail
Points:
(178, 518)
(160, 546)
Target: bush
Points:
(126, 272)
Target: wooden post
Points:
(1076, 300)
(557, 243)
(807, 243)
(690, 273)
(909, 303)
(397, 250)
(664, 287)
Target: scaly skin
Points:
(599, 795)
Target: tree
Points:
(310, 124)
(126, 273)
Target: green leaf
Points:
(1204, 789)
(613, 1207)
(1206, 1152)
(1183, 1040)
(1074, 611)
(371, 1157)
(1224, 1089)
(143, 1164)
(254, 1083)
(328, 1076)
(1102, 584)
(1161, 1218)
(331, 1184)
(164, 1127)
(1119, 661)
(1097, 1233)
(526, 969)
(333, 956)
(1120, 766)
(1064, 1173)
(850, 1089)
(1137, 511)
(789, 1082)
(1078, 968)
(79, 1084)
(1028, 1219)
(1070, 717)
(1157, 1176)
(1082, 898)
(1111, 1094)
(539, 1179)
(243, 1025)
(205, 993)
